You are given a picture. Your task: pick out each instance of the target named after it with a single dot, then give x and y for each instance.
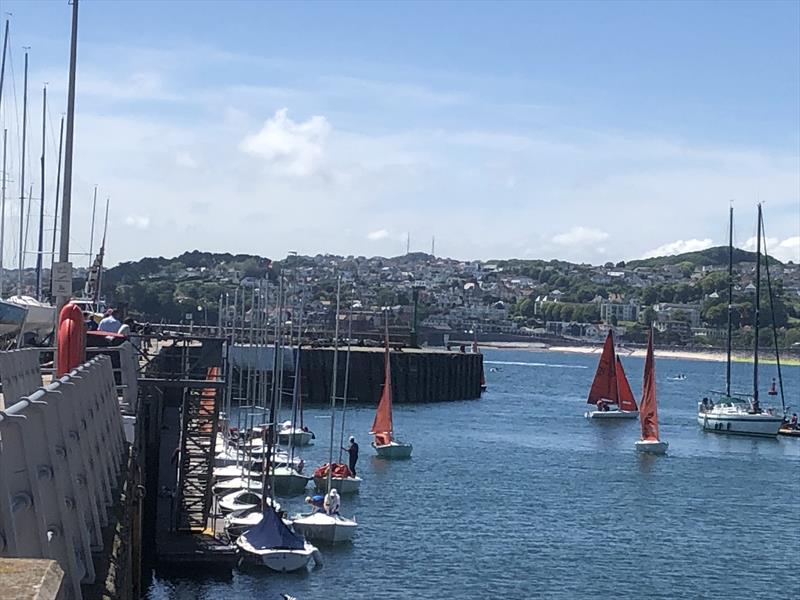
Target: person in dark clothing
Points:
(352, 450)
(91, 324)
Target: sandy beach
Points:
(715, 355)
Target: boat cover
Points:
(340, 471)
(272, 533)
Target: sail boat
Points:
(346, 482)
(648, 410)
(610, 390)
(739, 415)
(329, 527)
(385, 443)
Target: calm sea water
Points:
(517, 495)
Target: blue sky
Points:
(585, 131)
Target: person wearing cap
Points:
(332, 502)
(352, 450)
(110, 323)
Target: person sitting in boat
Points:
(793, 423)
(602, 406)
(381, 439)
(317, 503)
(332, 502)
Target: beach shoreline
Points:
(715, 355)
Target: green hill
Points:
(717, 256)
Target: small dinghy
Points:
(341, 477)
(242, 500)
(288, 481)
(648, 411)
(272, 544)
(237, 483)
(385, 443)
(610, 390)
(233, 471)
(322, 527)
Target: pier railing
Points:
(61, 457)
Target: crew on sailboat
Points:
(332, 502)
(316, 502)
(352, 451)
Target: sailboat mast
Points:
(3, 211)
(58, 191)
(66, 207)
(730, 305)
(757, 312)
(22, 177)
(772, 317)
(3, 64)
(91, 229)
(40, 245)
(346, 377)
(334, 382)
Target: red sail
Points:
(604, 386)
(382, 426)
(626, 399)
(648, 413)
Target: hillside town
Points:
(683, 297)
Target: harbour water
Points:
(517, 495)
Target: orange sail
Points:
(648, 412)
(604, 386)
(382, 425)
(626, 399)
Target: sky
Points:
(585, 131)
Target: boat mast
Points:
(40, 245)
(91, 230)
(58, 190)
(346, 376)
(772, 313)
(333, 383)
(5, 136)
(3, 211)
(730, 304)
(756, 407)
(22, 177)
(66, 208)
(99, 284)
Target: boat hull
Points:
(652, 446)
(789, 432)
(295, 438)
(347, 485)
(758, 425)
(280, 560)
(330, 529)
(394, 451)
(612, 414)
(289, 482)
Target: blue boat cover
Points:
(272, 532)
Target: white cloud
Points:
(138, 221)
(184, 159)
(580, 236)
(679, 247)
(380, 234)
(291, 148)
(785, 250)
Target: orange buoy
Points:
(71, 339)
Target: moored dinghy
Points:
(610, 390)
(648, 411)
(274, 545)
(386, 445)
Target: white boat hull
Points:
(298, 437)
(394, 450)
(288, 481)
(331, 529)
(226, 486)
(760, 425)
(347, 485)
(652, 446)
(612, 414)
(277, 559)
